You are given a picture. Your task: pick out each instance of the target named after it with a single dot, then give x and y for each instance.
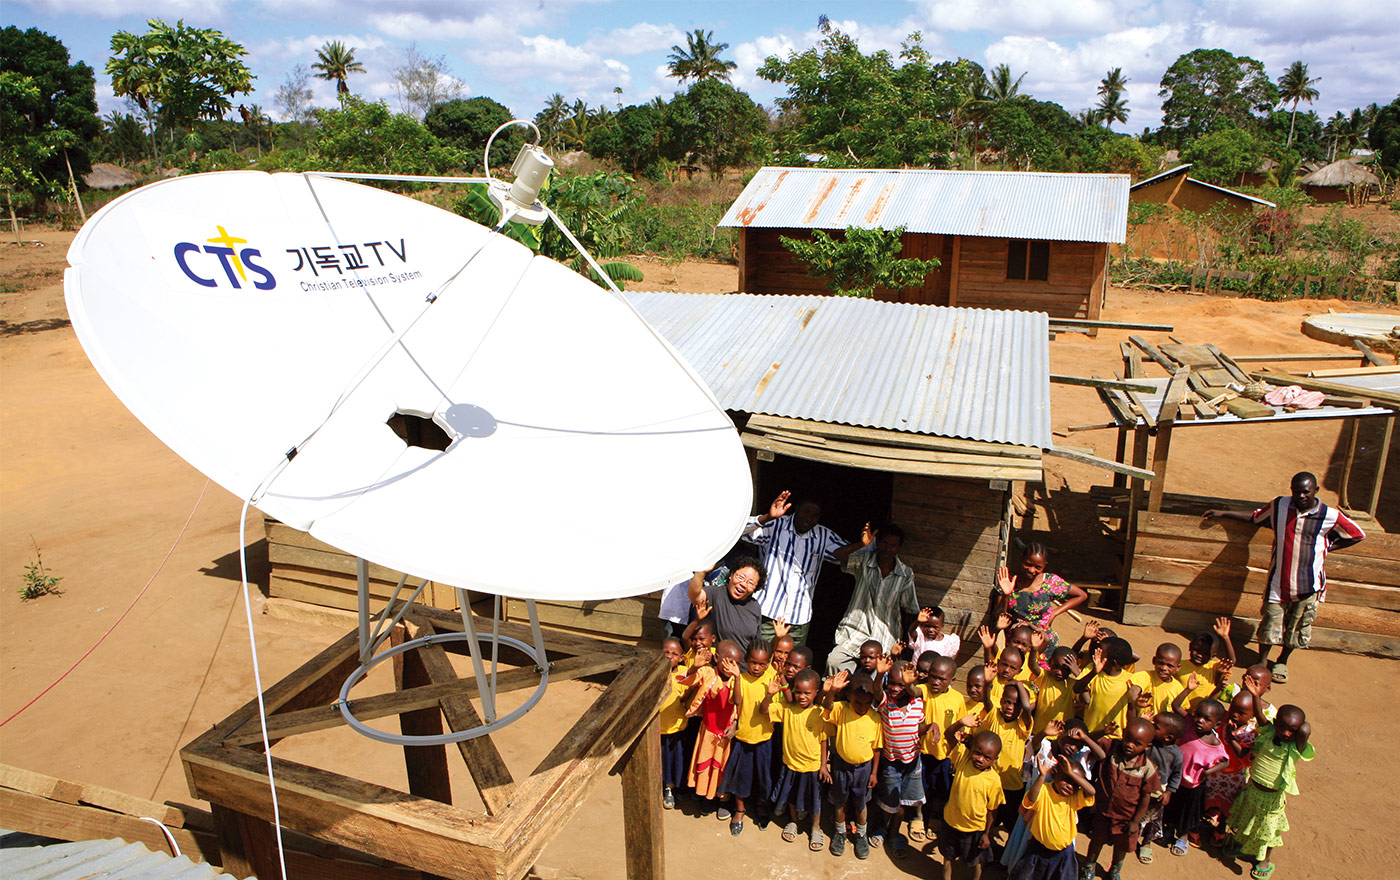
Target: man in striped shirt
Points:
(1305, 530)
(794, 547)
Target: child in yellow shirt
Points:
(1205, 653)
(804, 748)
(1011, 722)
(1054, 689)
(1053, 800)
(748, 773)
(1162, 682)
(672, 723)
(971, 811)
(1108, 686)
(943, 705)
(853, 766)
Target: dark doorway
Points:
(850, 497)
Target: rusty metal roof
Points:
(980, 374)
(1002, 204)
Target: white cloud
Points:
(640, 38)
(583, 73)
(200, 10)
(1044, 17)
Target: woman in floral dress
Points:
(1035, 597)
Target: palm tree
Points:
(1000, 86)
(336, 62)
(1112, 108)
(700, 58)
(551, 118)
(1295, 85)
(1113, 84)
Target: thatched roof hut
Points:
(1342, 181)
(107, 176)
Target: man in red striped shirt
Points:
(1305, 530)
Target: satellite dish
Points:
(238, 314)
(412, 388)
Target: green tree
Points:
(1112, 108)
(467, 123)
(634, 139)
(1207, 90)
(1011, 130)
(48, 114)
(293, 97)
(122, 138)
(1124, 155)
(1000, 86)
(361, 136)
(1113, 83)
(179, 74)
(551, 120)
(859, 109)
(717, 123)
(334, 63)
(1295, 85)
(859, 261)
(700, 60)
(1384, 135)
(1222, 156)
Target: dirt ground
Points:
(83, 482)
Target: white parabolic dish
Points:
(232, 311)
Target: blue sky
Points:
(521, 52)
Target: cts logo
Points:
(236, 262)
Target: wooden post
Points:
(641, 806)
(1120, 480)
(14, 224)
(1134, 505)
(426, 765)
(1166, 419)
(247, 845)
(1343, 491)
(77, 199)
(1099, 289)
(1380, 465)
(953, 275)
(744, 278)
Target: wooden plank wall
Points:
(631, 618)
(1068, 293)
(770, 268)
(308, 570)
(956, 537)
(1186, 571)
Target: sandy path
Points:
(104, 500)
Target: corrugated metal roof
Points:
(979, 374)
(99, 860)
(1181, 169)
(1009, 204)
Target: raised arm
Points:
(1027, 702)
(1069, 769)
(1100, 662)
(867, 537)
(778, 508)
(1237, 515)
(831, 686)
(964, 723)
(1193, 681)
(1222, 635)
(696, 588)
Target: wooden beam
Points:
(1132, 360)
(1161, 449)
(1117, 404)
(1106, 464)
(993, 469)
(488, 769)
(1344, 372)
(1135, 487)
(383, 705)
(644, 837)
(1282, 358)
(886, 437)
(1380, 466)
(426, 766)
(35, 814)
(1369, 355)
(953, 276)
(1096, 382)
(1231, 366)
(1095, 427)
(1154, 353)
(1110, 325)
(247, 845)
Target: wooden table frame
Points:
(421, 829)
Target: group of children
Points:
(1040, 745)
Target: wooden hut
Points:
(1179, 190)
(1006, 240)
(1343, 181)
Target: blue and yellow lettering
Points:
(183, 248)
(268, 282)
(223, 254)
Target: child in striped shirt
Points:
(901, 783)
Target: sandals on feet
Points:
(736, 826)
(1262, 873)
(1179, 847)
(1144, 854)
(1280, 671)
(916, 830)
(818, 841)
(789, 832)
(898, 848)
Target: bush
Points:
(682, 232)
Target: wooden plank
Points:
(555, 643)
(1153, 353)
(1112, 325)
(1096, 382)
(1161, 449)
(1278, 377)
(1284, 358)
(383, 705)
(1225, 600)
(44, 786)
(34, 814)
(1117, 404)
(488, 769)
(426, 766)
(1366, 353)
(645, 840)
(904, 451)
(1007, 469)
(953, 277)
(1132, 360)
(1244, 408)
(927, 489)
(1380, 465)
(1190, 620)
(1086, 458)
(881, 436)
(583, 619)
(1190, 355)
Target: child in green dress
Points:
(1257, 821)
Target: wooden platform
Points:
(420, 828)
(1186, 571)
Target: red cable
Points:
(123, 614)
